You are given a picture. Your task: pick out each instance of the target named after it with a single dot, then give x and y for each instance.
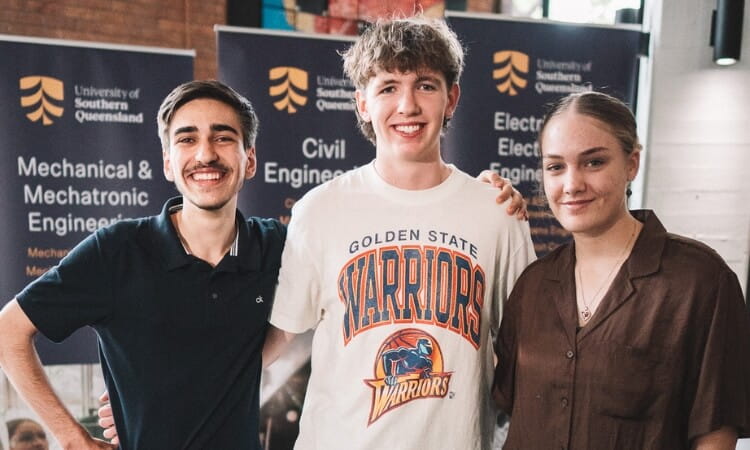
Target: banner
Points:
(513, 69)
(81, 147)
(308, 128)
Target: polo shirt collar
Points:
(243, 255)
(644, 259)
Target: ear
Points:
(453, 94)
(361, 100)
(251, 165)
(633, 163)
(167, 165)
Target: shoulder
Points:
(479, 193)
(268, 229)
(268, 236)
(541, 267)
(125, 231)
(106, 243)
(331, 192)
(691, 256)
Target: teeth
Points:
(202, 176)
(407, 128)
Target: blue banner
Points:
(78, 122)
(513, 69)
(308, 129)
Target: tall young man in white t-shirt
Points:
(399, 266)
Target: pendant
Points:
(586, 314)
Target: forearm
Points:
(276, 341)
(20, 362)
(724, 438)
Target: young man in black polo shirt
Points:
(179, 300)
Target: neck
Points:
(412, 175)
(208, 235)
(609, 244)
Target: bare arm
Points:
(20, 361)
(276, 341)
(724, 438)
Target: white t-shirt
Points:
(404, 289)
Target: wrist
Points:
(75, 438)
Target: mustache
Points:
(216, 165)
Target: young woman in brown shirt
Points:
(628, 337)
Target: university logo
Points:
(513, 67)
(44, 92)
(409, 366)
(290, 84)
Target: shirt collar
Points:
(233, 250)
(242, 254)
(644, 259)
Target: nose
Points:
(206, 153)
(407, 103)
(574, 181)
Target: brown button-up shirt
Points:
(666, 357)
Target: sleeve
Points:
(722, 390)
(296, 303)
(506, 349)
(519, 255)
(71, 295)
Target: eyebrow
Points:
(587, 152)
(223, 127)
(189, 129)
(420, 78)
(431, 78)
(214, 127)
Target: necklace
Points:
(586, 312)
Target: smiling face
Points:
(206, 158)
(407, 111)
(586, 172)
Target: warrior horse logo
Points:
(409, 366)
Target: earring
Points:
(628, 192)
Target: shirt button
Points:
(214, 296)
(569, 354)
(564, 402)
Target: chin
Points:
(576, 224)
(207, 204)
(212, 206)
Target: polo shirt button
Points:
(569, 354)
(214, 296)
(564, 402)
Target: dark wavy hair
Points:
(211, 89)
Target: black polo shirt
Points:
(180, 341)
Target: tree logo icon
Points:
(45, 91)
(513, 67)
(291, 83)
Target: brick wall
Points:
(183, 24)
